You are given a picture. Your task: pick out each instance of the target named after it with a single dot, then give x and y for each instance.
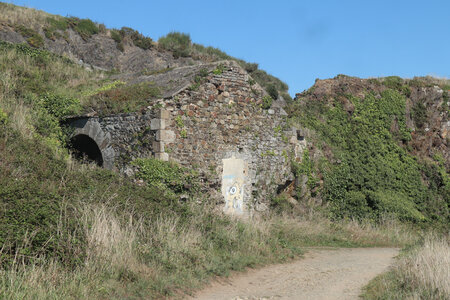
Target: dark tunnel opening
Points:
(86, 149)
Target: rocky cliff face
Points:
(100, 51)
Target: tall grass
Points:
(14, 15)
(421, 273)
(128, 257)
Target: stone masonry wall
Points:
(216, 126)
(121, 138)
(222, 119)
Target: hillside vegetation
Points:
(71, 230)
(369, 155)
(124, 50)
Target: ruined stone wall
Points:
(121, 138)
(217, 126)
(221, 129)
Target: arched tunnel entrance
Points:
(86, 149)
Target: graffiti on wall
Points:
(233, 185)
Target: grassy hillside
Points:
(362, 161)
(70, 230)
(43, 30)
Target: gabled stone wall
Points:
(221, 124)
(216, 126)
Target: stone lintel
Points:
(156, 124)
(167, 136)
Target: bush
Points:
(84, 27)
(394, 203)
(397, 83)
(178, 43)
(368, 158)
(60, 106)
(116, 36)
(33, 38)
(419, 114)
(166, 176)
(272, 91)
(286, 97)
(250, 67)
(138, 39)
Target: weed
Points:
(183, 133)
(126, 98)
(266, 102)
(179, 122)
(219, 69)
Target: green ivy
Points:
(371, 174)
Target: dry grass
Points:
(14, 15)
(111, 253)
(421, 273)
(127, 257)
(319, 231)
(24, 78)
(427, 269)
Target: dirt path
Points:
(321, 274)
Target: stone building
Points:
(216, 123)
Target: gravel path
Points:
(321, 274)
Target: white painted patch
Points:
(234, 178)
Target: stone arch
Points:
(86, 148)
(88, 131)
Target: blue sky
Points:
(297, 41)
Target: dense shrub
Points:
(397, 83)
(84, 27)
(177, 42)
(250, 67)
(137, 38)
(419, 114)
(167, 176)
(272, 91)
(372, 174)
